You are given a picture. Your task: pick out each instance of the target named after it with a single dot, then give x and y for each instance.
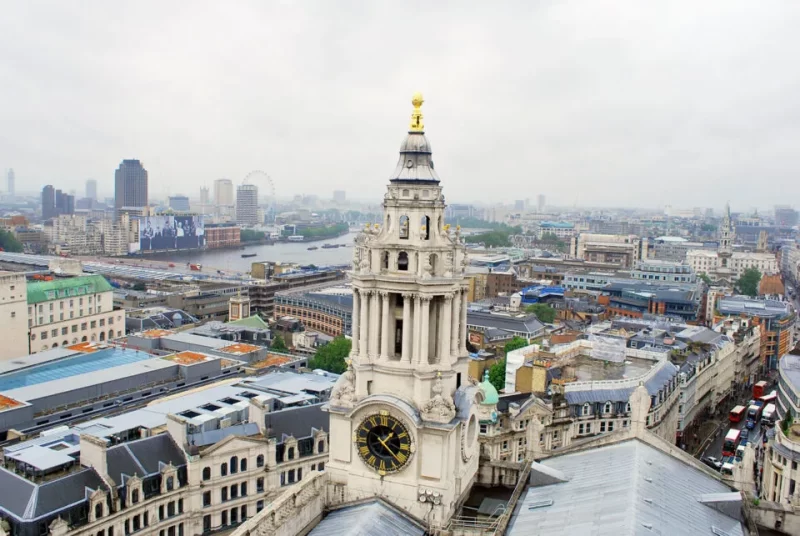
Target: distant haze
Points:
(603, 103)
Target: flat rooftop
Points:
(78, 363)
(590, 369)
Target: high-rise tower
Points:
(403, 422)
(130, 185)
(12, 189)
(247, 204)
(91, 189)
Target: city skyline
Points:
(609, 108)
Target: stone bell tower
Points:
(409, 358)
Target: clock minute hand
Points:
(383, 442)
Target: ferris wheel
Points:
(266, 189)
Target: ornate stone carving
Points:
(448, 264)
(344, 391)
(440, 408)
(427, 269)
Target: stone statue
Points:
(448, 265)
(344, 391)
(440, 408)
(427, 269)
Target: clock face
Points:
(383, 443)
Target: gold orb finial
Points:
(416, 115)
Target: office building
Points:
(622, 250)
(179, 203)
(776, 319)
(49, 202)
(223, 192)
(657, 270)
(130, 185)
(91, 189)
(785, 216)
(247, 204)
(540, 203)
(65, 203)
(11, 183)
(204, 199)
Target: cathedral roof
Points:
(490, 396)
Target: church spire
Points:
(416, 116)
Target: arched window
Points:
(586, 409)
(260, 460)
(206, 473)
(98, 510)
(425, 228)
(102, 335)
(321, 447)
(94, 337)
(75, 340)
(234, 464)
(110, 334)
(65, 343)
(404, 227)
(55, 345)
(83, 339)
(170, 483)
(628, 407)
(243, 464)
(402, 261)
(223, 469)
(434, 260)
(290, 454)
(388, 223)
(607, 407)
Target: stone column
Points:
(363, 328)
(355, 322)
(417, 327)
(463, 331)
(385, 328)
(455, 327)
(407, 329)
(445, 325)
(374, 324)
(425, 331)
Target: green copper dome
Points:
(490, 396)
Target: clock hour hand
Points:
(383, 442)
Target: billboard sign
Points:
(157, 233)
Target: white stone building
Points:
(72, 310)
(13, 315)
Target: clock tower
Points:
(403, 424)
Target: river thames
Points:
(232, 260)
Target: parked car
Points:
(712, 462)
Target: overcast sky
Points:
(599, 103)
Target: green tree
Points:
(543, 312)
(249, 235)
(497, 375)
(748, 283)
(331, 357)
(704, 276)
(9, 242)
(513, 344)
(278, 344)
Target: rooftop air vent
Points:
(648, 479)
(540, 504)
(719, 532)
(648, 526)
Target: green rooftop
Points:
(254, 321)
(43, 291)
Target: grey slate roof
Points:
(27, 501)
(143, 457)
(211, 437)
(622, 489)
(525, 324)
(297, 421)
(665, 373)
(367, 520)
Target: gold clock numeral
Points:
(404, 446)
(384, 412)
(402, 435)
(384, 420)
(364, 451)
(373, 421)
(401, 457)
(382, 466)
(371, 460)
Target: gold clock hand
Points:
(383, 442)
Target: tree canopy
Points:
(9, 242)
(331, 357)
(543, 312)
(497, 375)
(748, 283)
(704, 277)
(278, 344)
(249, 235)
(513, 344)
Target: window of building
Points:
(290, 476)
(321, 466)
(610, 426)
(580, 429)
(83, 326)
(505, 445)
(234, 464)
(223, 469)
(206, 473)
(283, 478)
(234, 491)
(170, 483)
(161, 512)
(170, 508)
(75, 328)
(259, 506)
(206, 523)
(206, 498)
(243, 489)
(260, 484)
(243, 515)
(290, 453)
(607, 407)
(321, 447)
(135, 496)
(93, 324)
(43, 335)
(180, 506)
(54, 333)
(102, 322)
(586, 409)
(300, 474)
(224, 494)
(98, 511)
(243, 465)
(234, 516)
(260, 460)
(224, 518)
(483, 428)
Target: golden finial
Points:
(416, 115)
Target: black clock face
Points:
(383, 443)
